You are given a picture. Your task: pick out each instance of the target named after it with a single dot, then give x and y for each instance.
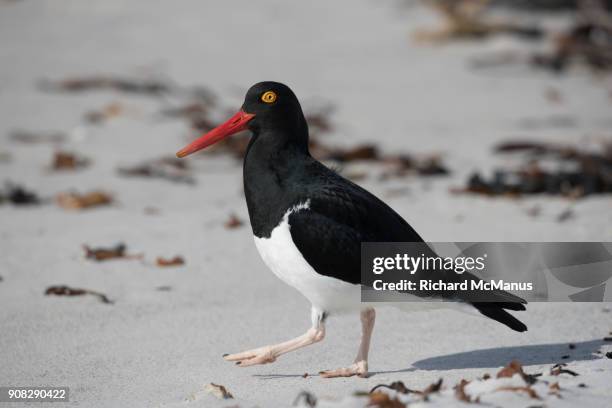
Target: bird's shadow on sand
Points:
(528, 355)
(537, 354)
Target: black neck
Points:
(273, 171)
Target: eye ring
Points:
(269, 97)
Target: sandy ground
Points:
(157, 348)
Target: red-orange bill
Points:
(233, 125)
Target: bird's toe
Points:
(359, 368)
(262, 355)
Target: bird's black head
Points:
(271, 111)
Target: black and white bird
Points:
(309, 222)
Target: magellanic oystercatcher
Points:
(309, 222)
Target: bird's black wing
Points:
(342, 215)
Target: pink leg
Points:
(360, 365)
(268, 354)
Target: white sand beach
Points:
(162, 338)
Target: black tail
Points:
(495, 311)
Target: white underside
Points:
(325, 293)
(285, 260)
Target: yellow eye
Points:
(268, 97)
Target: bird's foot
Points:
(261, 355)
(359, 368)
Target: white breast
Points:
(284, 259)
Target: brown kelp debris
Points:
(31, 137)
(165, 168)
(68, 161)
(402, 389)
(77, 201)
(544, 5)
(344, 155)
(107, 112)
(127, 85)
(104, 254)
(515, 367)
(233, 222)
(403, 165)
(395, 386)
(587, 41)
(559, 369)
(18, 195)
(68, 291)
(165, 262)
(218, 391)
(308, 398)
(397, 165)
(460, 393)
(384, 400)
(549, 169)
(466, 19)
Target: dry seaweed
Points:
(165, 168)
(219, 391)
(19, 195)
(577, 173)
(515, 367)
(82, 84)
(395, 386)
(107, 112)
(165, 262)
(559, 369)
(402, 389)
(587, 41)
(104, 254)
(465, 19)
(460, 393)
(384, 400)
(68, 291)
(68, 161)
(76, 201)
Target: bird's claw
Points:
(262, 355)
